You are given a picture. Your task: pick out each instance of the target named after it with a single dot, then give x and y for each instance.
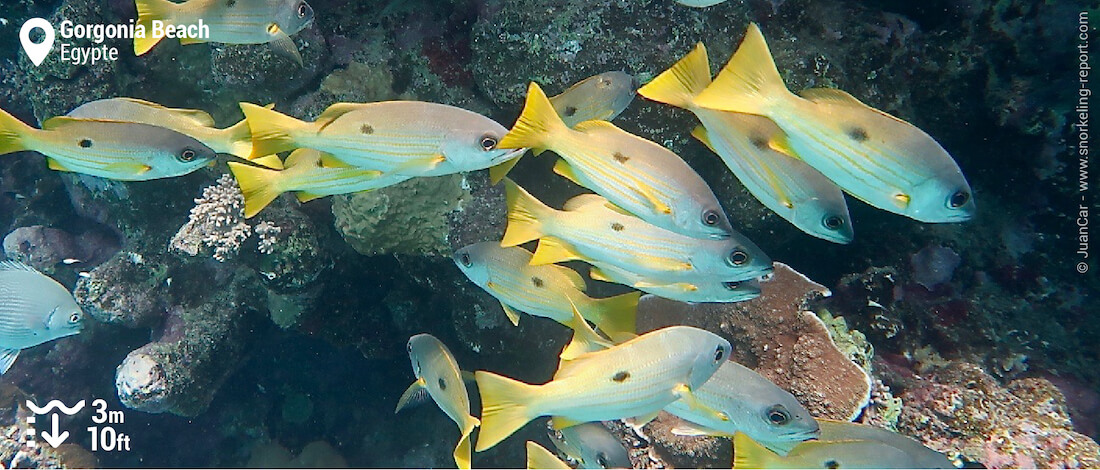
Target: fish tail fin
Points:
(12, 131)
(505, 407)
(462, 453)
(747, 453)
(536, 125)
(749, 82)
(148, 11)
(270, 130)
(257, 184)
(584, 340)
(526, 215)
(616, 314)
(679, 85)
(238, 140)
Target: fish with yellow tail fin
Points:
(633, 379)
(304, 174)
(124, 151)
(234, 140)
(591, 445)
(635, 174)
(877, 158)
(694, 291)
(540, 458)
(750, 404)
(437, 372)
(591, 229)
(544, 291)
(748, 145)
(748, 454)
(229, 22)
(921, 456)
(410, 138)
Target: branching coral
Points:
(216, 221)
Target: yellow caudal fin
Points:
(749, 82)
(679, 85)
(12, 131)
(257, 184)
(270, 129)
(148, 11)
(537, 125)
(614, 315)
(463, 449)
(585, 339)
(505, 407)
(236, 140)
(749, 454)
(526, 215)
(540, 458)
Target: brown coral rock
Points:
(777, 336)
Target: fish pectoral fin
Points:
(680, 286)
(688, 428)
(418, 165)
(901, 200)
(283, 45)
(551, 250)
(512, 314)
(56, 165)
(685, 394)
(415, 395)
(563, 168)
(561, 422)
(7, 358)
(658, 206)
(129, 168)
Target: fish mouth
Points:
(512, 153)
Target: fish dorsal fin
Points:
(597, 127)
(59, 121)
(841, 97)
(574, 277)
(416, 394)
(199, 117)
(334, 112)
(271, 161)
(579, 201)
(13, 265)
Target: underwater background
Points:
(980, 338)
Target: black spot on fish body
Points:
(857, 134)
(442, 384)
(759, 142)
(617, 227)
(570, 111)
(230, 3)
(832, 464)
(621, 376)
(366, 129)
(85, 143)
(620, 157)
(537, 282)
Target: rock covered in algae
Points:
(778, 336)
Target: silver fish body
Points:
(34, 309)
(592, 446)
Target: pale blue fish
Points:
(920, 455)
(783, 183)
(591, 445)
(34, 309)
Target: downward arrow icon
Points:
(57, 437)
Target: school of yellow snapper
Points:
(652, 224)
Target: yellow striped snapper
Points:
(783, 183)
(748, 403)
(305, 175)
(34, 309)
(228, 21)
(411, 138)
(437, 372)
(748, 454)
(604, 233)
(694, 291)
(234, 140)
(591, 445)
(633, 379)
(636, 174)
(544, 291)
(540, 458)
(599, 97)
(877, 158)
(919, 455)
(125, 151)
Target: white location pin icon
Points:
(37, 52)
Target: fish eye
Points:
(719, 354)
(833, 222)
(465, 260)
(959, 199)
(488, 143)
(778, 416)
(738, 257)
(731, 285)
(75, 317)
(601, 460)
(303, 9)
(711, 217)
(187, 155)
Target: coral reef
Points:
(778, 336)
(216, 221)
